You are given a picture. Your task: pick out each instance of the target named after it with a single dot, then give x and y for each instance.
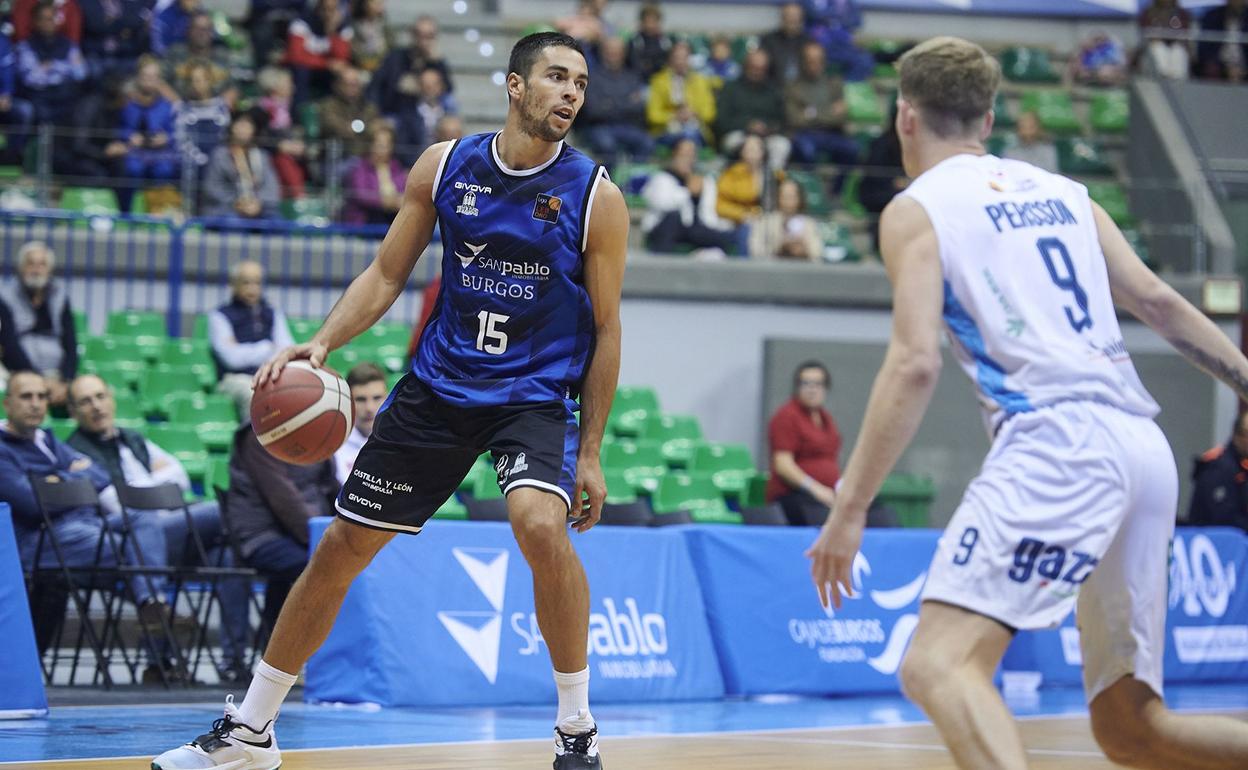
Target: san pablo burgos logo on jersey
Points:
(845, 640)
(628, 642)
(468, 206)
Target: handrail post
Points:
(175, 278)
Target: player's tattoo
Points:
(1223, 370)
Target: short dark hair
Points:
(364, 373)
(811, 364)
(650, 9)
(525, 52)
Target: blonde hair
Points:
(953, 83)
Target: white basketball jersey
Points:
(1027, 299)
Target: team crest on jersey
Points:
(547, 208)
(468, 205)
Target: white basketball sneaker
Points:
(231, 745)
(577, 750)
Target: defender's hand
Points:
(312, 352)
(832, 556)
(589, 482)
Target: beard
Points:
(36, 282)
(535, 123)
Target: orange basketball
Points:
(304, 415)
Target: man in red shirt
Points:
(805, 445)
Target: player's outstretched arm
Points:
(1141, 293)
(375, 289)
(606, 249)
(899, 397)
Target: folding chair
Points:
(193, 566)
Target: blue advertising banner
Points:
(447, 618)
(1206, 622)
(769, 628)
(21, 679)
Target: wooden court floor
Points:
(1054, 744)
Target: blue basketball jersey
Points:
(513, 322)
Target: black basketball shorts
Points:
(422, 448)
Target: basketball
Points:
(304, 415)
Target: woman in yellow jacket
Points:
(740, 191)
(682, 102)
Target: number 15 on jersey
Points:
(490, 337)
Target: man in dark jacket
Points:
(50, 68)
(395, 86)
(753, 104)
(614, 115)
(115, 33)
(269, 506)
(244, 332)
(96, 150)
(42, 318)
(1220, 491)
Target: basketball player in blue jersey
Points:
(526, 324)
(1075, 503)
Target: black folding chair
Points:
(195, 566)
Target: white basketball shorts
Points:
(1074, 501)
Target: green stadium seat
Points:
(1113, 199)
(862, 104)
(306, 211)
(1023, 64)
(392, 358)
(215, 416)
(910, 496)
(451, 510)
(1078, 156)
(850, 199)
(310, 119)
(483, 466)
(1109, 112)
(385, 334)
(1055, 109)
(160, 384)
(199, 327)
(1003, 115)
(698, 496)
(184, 443)
(619, 490)
(641, 462)
(743, 44)
(121, 348)
(122, 375)
(186, 351)
(756, 492)
(729, 466)
(80, 324)
(217, 475)
(128, 408)
(60, 427)
(838, 243)
(818, 203)
(93, 201)
(132, 423)
(302, 329)
(485, 486)
(677, 435)
(631, 406)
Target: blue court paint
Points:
(120, 731)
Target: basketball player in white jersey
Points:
(1077, 496)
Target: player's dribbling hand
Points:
(312, 352)
(589, 483)
(832, 558)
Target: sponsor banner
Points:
(1104, 9)
(769, 628)
(1206, 619)
(447, 618)
(21, 680)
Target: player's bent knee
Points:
(346, 549)
(919, 674)
(1123, 724)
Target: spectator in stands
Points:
(202, 118)
(883, 176)
(268, 22)
(805, 447)
(815, 112)
(1100, 61)
(269, 506)
(614, 115)
(741, 186)
(172, 22)
(374, 183)
(681, 103)
(68, 19)
(449, 128)
(43, 318)
(147, 125)
(1164, 26)
(27, 449)
(128, 458)
(370, 38)
(318, 49)
(50, 67)
(784, 45)
(754, 106)
(719, 66)
(1220, 482)
(115, 33)
(649, 48)
(1224, 59)
(368, 392)
(244, 333)
(787, 232)
(277, 130)
(16, 115)
(435, 101)
(833, 23)
(240, 180)
(395, 86)
(346, 115)
(680, 209)
(587, 25)
(198, 48)
(1033, 147)
(12, 357)
(96, 150)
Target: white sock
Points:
(268, 689)
(574, 716)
